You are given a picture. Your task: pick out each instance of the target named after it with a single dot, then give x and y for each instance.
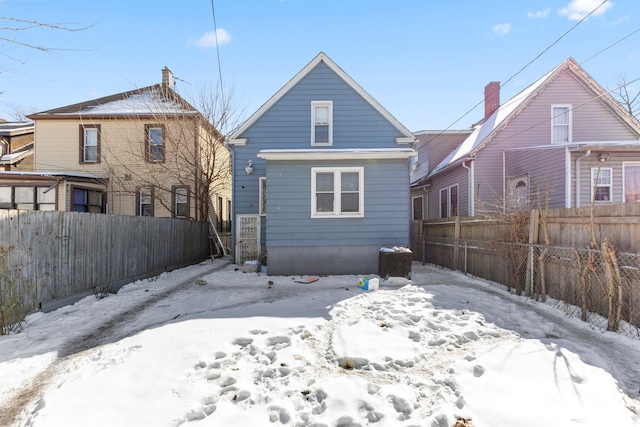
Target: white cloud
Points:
(578, 9)
(208, 40)
(539, 14)
(502, 29)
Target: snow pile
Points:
(244, 349)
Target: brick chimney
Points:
(167, 78)
(491, 99)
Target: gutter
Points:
(471, 184)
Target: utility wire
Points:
(222, 99)
(538, 56)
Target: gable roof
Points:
(322, 57)
(484, 132)
(147, 101)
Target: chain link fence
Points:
(600, 287)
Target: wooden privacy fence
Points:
(50, 255)
(599, 283)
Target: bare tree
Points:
(627, 96)
(192, 154)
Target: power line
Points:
(215, 34)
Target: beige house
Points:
(143, 152)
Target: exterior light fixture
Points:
(249, 168)
(603, 157)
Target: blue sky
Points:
(426, 61)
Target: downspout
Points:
(567, 178)
(233, 202)
(471, 184)
(578, 176)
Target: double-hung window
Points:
(145, 201)
(337, 192)
(449, 201)
(154, 143)
(181, 202)
(560, 123)
(601, 184)
(321, 123)
(89, 143)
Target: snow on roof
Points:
(481, 132)
(149, 101)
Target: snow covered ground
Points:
(209, 345)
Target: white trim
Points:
(594, 172)
(448, 190)
(624, 174)
(337, 191)
(336, 154)
(321, 57)
(238, 142)
(567, 178)
(569, 108)
(261, 194)
(329, 105)
(409, 140)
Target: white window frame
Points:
(90, 151)
(449, 210)
(569, 125)
(413, 200)
(315, 104)
(594, 173)
(337, 191)
(262, 191)
(624, 178)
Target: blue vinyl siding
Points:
(386, 216)
(295, 242)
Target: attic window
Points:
(560, 123)
(321, 123)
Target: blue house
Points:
(320, 177)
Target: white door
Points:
(248, 238)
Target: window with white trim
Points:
(601, 184)
(560, 123)
(145, 201)
(337, 192)
(263, 195)
(417, 203)
(321, 122)
(449, 201)
(631, 177)
(180, 195)
(89, 143)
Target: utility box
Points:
(252, 266)
(395, 262)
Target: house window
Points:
(601, 184)
(518, 193)
(560, 123)
(321, 123)
(337, 192)
(417, 204)
(24, 198)
(449, 201)
(89, 143)
(154, 143)
(228, 215)
(28, 198)
(85, 200)
(631, 182)
(220, 204)
(180, 202)
(45, 199)
(263, 195)
(6, 199)
(145, 201)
